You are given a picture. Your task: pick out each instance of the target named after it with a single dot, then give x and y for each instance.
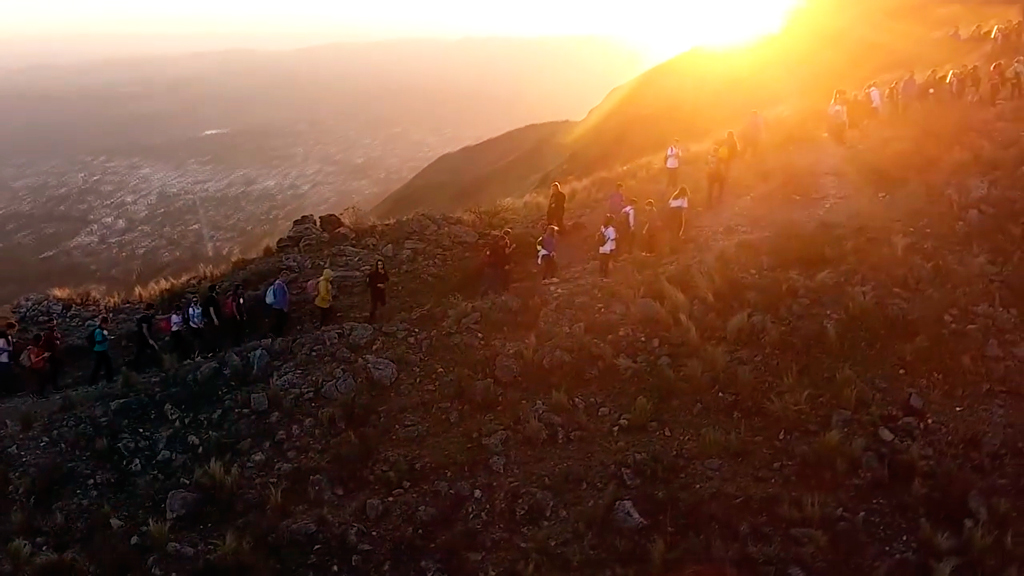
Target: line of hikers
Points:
(849, 111)
(205, 327)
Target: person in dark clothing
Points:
(546, 248)
(732, 151)
(716, 178)
(212, 316)
(556, 207)
(651, 229)
(101, 353)
(7, 382)
(145, 344)
(38, 366)
(236, 314)
(995, 82)
(497, 259)
(51, 345)
(377, 282)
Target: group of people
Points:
(205, 327)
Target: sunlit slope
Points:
(826, 45)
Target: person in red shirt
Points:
(38, 365)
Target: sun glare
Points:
(680, 26)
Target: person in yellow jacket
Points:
(324, 296)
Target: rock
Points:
(209, 374)
(356, 335)
(387, 251)
(383, 372)
(163, 456)
(648, 310)
(626, 515)
(713, 464)
(302, 529)
(259, 402)
(127, 406)
(498, 464)
(915, 402)
(374, 508)
(330, 222)
(171, 412)
(550, 419)
(841, 419)
(181, 503)
(259, 360)
(181, 550)
(885, 434)
(471, 320)
(506, 369)
(992, 349)
(116, 524)
(339, 388)
(604, 411)
(463, 234)
(496, 441)
(234, 363)
(870, 463)
(413, 245)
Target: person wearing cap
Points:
(324, 296)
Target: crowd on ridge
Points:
(195, 329)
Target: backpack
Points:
(26, 358)
(311, 286)
(270, 295)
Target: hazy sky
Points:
(655, 25)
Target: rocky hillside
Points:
(825, 379)
(700, 94)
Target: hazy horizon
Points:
(60, 29)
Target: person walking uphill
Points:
(179, 345)
(628, 228)
(37, 361)
(672, 157)
(212, 316)
(546, 246)
(556, 207)
(100, 339)
(324, 296)
(51, 345)
(606, 242)
(195, 327)
(277, 298)
(145, 345)
(236, 314)
(651, 229)
(377, 282)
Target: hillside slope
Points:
(702, 93)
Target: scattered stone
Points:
(885, 434)
(171, 412)
(382, 371)
(498, 464)
(506, 369)
(330, 223)
(626, 515)
(713, 464)
(259, 402)
(116, 524)
(356, 334)
(259, 359)
(181, 503)
(916, 402)
(339, 388)
(388, 251)
(604, 411)
(374, 508)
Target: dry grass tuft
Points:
(18, 553)
(218, 477)
(643, 410)
(159, 534)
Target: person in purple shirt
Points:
(277, 299)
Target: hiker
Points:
(908, 92)
(678, 204)
(100, 339)
(277, 299)
(651, 229)
(51, 345)
(629, 226)
(556, 207)
(1017, 78)
(6, 363)
(35, 359)
(753, 132)
(546, 246)
(145, 345)
(377, 282)
(995, 82)
(179, 344)
(875, 97)
(837, 115)
(236, 315)
(212, 315)
(195, 327)
(729, 151)
(974, 84)
(324, 296)
(892, 97)
(715, 177)
(606, 240)
(617, 201)
(672, 157)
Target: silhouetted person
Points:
(672, 158)
(729, 151)
(627, 231)
(145, 343)
(236, 314)
(38, 366)
(278, 300)
(546, 248)
(179, 343)
(52, 340)
(7, 381)
(838, 117)
(606, 242)
(556, 207)
(212, 316)
(195, 327)
(651, 229)
(715, 177)
(617, 201)
(996, 80)
(101, 353)
(377, 282)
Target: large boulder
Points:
(330, 222)
(181, 503)
(462, 234)
(356, 334)
(339, 388)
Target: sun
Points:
(681, 25)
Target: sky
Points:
(659, 27)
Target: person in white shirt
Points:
(876, 100)
(179, 346)
(629, 226)
(677, 206)
(672, 157)
(195, 326)
(606, 238)
(838, 121)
